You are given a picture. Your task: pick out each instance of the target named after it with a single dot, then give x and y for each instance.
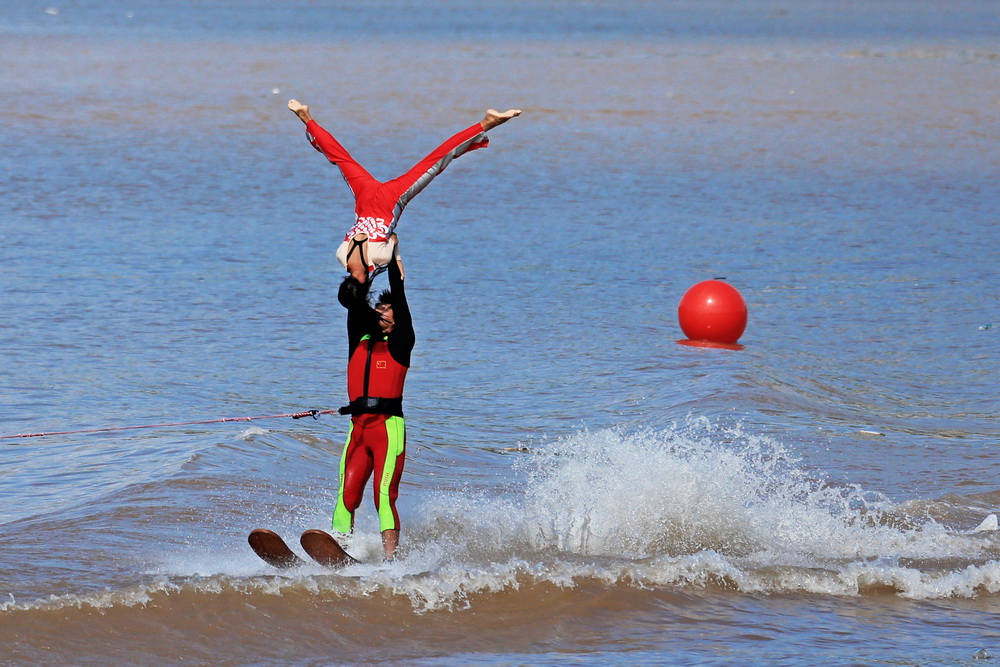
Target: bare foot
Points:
(300, 110)
(494, 118)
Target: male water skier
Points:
(380, 341)
(377, 206)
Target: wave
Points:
(695, 507)
(457, 586)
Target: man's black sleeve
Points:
(402, 338)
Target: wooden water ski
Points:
(325, 550)
(272, 549)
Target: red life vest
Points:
(372, 371)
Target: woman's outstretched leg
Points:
(358, 179)
(407, 186)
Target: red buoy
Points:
(712, 311)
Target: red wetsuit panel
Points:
(385, 376)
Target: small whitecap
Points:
(275, 91)
(52, 11)
(251, 432)
(988, 524)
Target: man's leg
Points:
(390, 540)
(388, 471)
(355, 467)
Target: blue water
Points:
(579, 487)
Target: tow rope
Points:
(294, 415)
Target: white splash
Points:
(689, 489)
(697, 505)
(988, 524)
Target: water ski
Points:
(323, 549)
(272, 549)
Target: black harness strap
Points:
(360, 247)
(374, 405)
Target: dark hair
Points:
(352, 291)
(385, 297)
